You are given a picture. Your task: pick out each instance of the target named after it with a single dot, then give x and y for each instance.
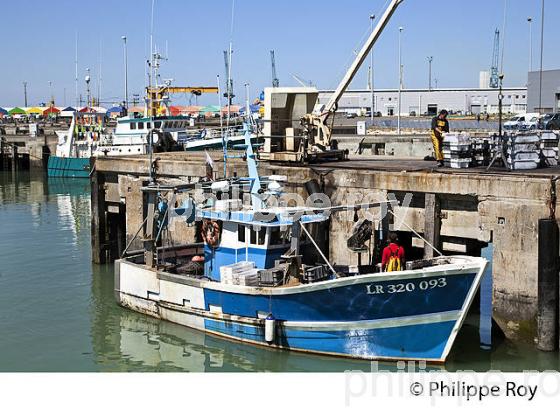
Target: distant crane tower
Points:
(229, 81)
(494, 71)
(275, 80)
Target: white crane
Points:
(316, 128)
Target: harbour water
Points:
(57, 311)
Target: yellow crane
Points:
(156, 95)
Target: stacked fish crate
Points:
(240, 274)
(480, 149)
(523, 151)
(549, 148)
(457, 150)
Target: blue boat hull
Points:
(68, 167)
(385, 317)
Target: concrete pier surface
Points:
(463, 210)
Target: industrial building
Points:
(550, 96)
(429, 102)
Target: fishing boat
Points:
(76, 146)
(259, 276)
(87, 137)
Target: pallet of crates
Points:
(523, 151)
(235, 274)
(481, 152)
(549, 148)
(457, 150)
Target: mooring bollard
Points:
(548, 295)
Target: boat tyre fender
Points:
(211, 232)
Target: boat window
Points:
(149, 125)
(132, 125)
(259, 235)
(157, 124)
(140, 125)
(241, 233)
(277, 237)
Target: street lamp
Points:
(88, 79)
(400, 81)
(51, 92)
(530, 21)
(430, 59)
(372, 92)
(125, 72)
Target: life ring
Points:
(211, 232)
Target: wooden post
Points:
(432, 224)
(547, 319)
(98, 219)
(14, 158)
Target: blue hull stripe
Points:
(348, 303)
(425, 341)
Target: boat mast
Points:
(76, 77)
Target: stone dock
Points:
(460, 211)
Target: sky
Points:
(313, 39)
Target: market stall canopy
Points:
(34, 110)
(115, 110)
(3, 111)
(16, 111)
(210, 109)
(192, 109)
(234, 109)
(136, 110)
(69, 109)
(100, 110)
(51, 111)
(176, 110)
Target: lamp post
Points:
(430, 59)
(25, 92)
(530, 21)
(400, 81)
(541, 63)
(371, 86)
(51, 92)
(88, 79)
(125, 72)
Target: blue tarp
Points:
(3, 111)
(118, 109)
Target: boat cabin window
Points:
(140, 125)
(132, 125)
(157, 124)
(277, 237)
(258, 237)
(241, 234)
(149, 125)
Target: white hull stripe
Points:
(376, 324)
(430, 318)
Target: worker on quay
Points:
(392, 259)
(440, 125)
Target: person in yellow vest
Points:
(440, 125)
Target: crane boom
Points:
(315, 126)
(275, 80)
(331, 106)
(494, 70)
